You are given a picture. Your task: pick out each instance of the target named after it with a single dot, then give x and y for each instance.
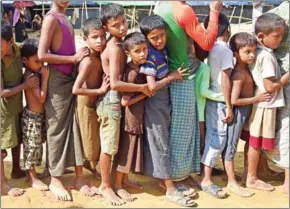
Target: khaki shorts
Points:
(89, 127)
(109, 117)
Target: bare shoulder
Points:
(238, 75)
(85, 63)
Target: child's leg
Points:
(34, 181)
(264, 171)
(106, 188)
(252, 180)
(118, 187)
(202, 136)
(17, 172)
(5, 187)
(131, 184)
(246, 151)
(81, 184)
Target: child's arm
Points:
(205, 90)
(273, 86)
(41, 93)
(84, 70)
(238, 81)
(227, 89)
(47, 31)
(154, 85)
(29, 82)
(115, 72)
(128, 100)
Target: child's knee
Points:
(3, 154)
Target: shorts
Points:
(262, 128)
(216, 132)
(10, 131)
(109, 117)
(33, 135)
(90, 130)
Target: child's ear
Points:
(260, 36)
(236, 54)
(85, 38)
(11, 41)
(105, 29)
(25, 60)
(127, 53)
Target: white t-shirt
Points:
(266, 66)
(220, 58)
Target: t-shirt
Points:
(266, 66)
(220, 58)
(156, 64)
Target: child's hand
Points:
(31, 81)
(81, 53)
(147, 91)
(105, 85)
(216, 5)
(229, 115)
(44, 71)
(263, 97)
(178, 75)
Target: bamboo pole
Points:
(242, 10)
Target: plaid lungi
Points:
(184, 139)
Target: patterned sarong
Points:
(184, 139)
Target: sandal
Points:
(213, 191)
(185, 190)
(178, 198)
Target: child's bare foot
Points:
(238, 190)
(58, 190)
(109, 195)
(83, 188)
(18, 173)
(39, 185)
(124, 195)
(132, 184)
(259, 185)
(8, 190)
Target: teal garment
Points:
(202, 80)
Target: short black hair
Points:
(6, 31)
(135, 38)
(92, 24)
(223, 24)
(111, 10)
(268, 22)
(150, 23)
(240, 40)
(29, 48)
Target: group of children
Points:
(93, 106)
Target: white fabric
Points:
(220, 58)
(266, 66)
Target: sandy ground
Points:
(151, 196)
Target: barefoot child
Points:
(130, 155)
(280, 154)
(158, 108)
(269, 30)
(88, 86)
(243, 46)
(33, 119)
(11, 102)
(57, 47)
(109, 105)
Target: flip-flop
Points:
(178, 198)
(185, 190)
(213, 190)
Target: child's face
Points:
(247, 54)
(117, 27)
(62, 3)
(32, 63)
(157, 38)
(96, 40)
(273, 39)
(138, 53)
(5, 47)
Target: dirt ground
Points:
(151, 196)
